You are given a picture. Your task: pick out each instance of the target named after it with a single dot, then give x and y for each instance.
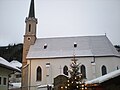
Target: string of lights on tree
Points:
(76, 79)
(75, 82)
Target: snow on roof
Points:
(105, 77)
(6, 64)
(16, 63)
(64, 47)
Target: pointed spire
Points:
(32, 11)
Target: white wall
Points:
(4, 74)
(111, 64)
(92, 70)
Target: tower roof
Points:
(32, 11)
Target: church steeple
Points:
(29, 39)
(30, 31)
(31, 23)
(32, 11)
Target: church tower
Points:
(30, 32)
(29, 39)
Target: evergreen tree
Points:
(75, 82)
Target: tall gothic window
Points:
(39, 74)
(65, 70)
(104, 70)
(83, 71)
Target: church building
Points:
(46, 58)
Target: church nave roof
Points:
(69, 46)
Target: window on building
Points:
(45, 46)
(47, 65)
(104, 70)
(0, 80)
(29, 27)
(39, 74)
(4, 81)
(118, 67)
(65, 70)
(83, 71)
(75, 44)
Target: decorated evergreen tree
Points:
(75, 82)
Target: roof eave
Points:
(56, 57)
(9, 68)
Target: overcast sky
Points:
(60, 18)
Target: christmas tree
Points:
(75, 81)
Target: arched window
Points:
(83, 71)
(104, 70)
(65, 70)
(39, 74)
(29, 27)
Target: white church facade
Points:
(46, 58)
